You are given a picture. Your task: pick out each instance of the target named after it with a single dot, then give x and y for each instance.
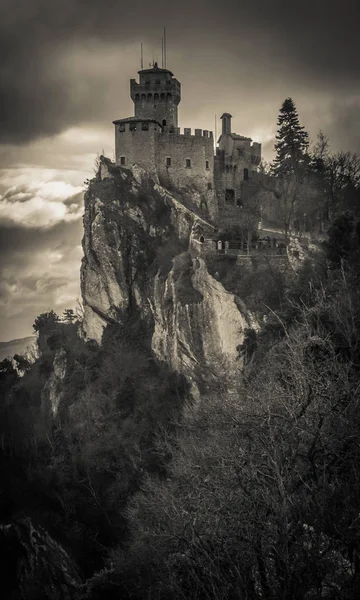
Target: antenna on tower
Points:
(141, 57)
(162, 52)
(164, 47)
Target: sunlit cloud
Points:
(41, 204)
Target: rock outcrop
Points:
(35, 565)
(53, 389)
(139, 260)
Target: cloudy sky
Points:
(65, 67)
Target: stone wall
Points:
(137, 146)
(178, 147)
(236, 159)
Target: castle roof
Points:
(155, 69)
(137, 119)
(236, 136)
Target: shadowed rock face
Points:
(138, 259)
(35, 566)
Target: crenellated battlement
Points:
(136, 124)
(198, 133)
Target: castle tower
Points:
(156, 96)
(226, 123)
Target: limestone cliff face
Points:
(52, 392)
(139, 259)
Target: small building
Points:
(237, 160)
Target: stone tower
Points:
(226, 123)
(156, 96)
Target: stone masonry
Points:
(183, 160)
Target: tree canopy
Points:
(292, 140)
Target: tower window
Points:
(164, 122)
(188, 163)
(209, 186)
(168, 161)
(122, 127)
(145, 126)
(132, 126)
(122, 160)
(246, 174)
(207, 164)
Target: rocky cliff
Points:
(141, 261)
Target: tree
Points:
(342, 176)
(46, 322)
(342, 239)
(292, 141)
(46, 325)
(288, 191)
(320, 153)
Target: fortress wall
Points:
(179, 147)
(138, 147)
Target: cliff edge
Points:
(140, 264)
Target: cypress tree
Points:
(292, 141)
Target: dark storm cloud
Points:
(17, 239)
(41, 95)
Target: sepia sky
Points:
(65, 67)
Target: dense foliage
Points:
(253, 496)
(77, 467)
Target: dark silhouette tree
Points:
(46, 322)
(292, 141)
(342, 239)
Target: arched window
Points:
(149, 97)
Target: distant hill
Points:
(19, 346)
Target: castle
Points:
(184, 161)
